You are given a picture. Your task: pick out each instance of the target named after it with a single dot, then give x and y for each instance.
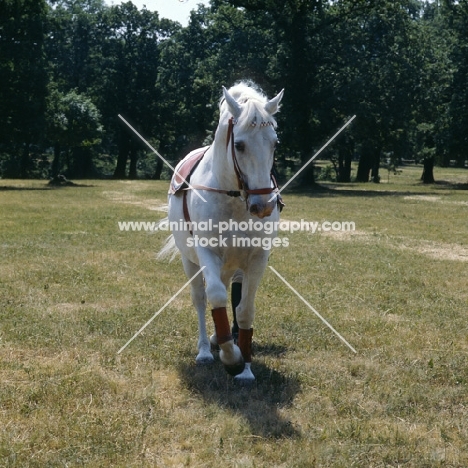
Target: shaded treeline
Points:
(68, 68)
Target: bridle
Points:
(241, 180)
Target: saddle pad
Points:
(185, 169)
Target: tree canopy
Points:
(69, 67)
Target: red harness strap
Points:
(186, 211)
(242, 184)
(186, 170)
(230, 138)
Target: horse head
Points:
(250, 144)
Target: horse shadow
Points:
(259, 404)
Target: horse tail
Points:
(169, 250)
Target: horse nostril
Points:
(254, 209)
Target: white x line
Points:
(159, 156)
(313, 310)
(161, 309)
(313, 157)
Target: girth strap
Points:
(186, 211)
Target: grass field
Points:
(74, 289)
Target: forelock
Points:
(253, 101)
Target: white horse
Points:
(234, 177)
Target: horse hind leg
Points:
(245, 317)
(236, 294)
(246, 377)
(204, 356)
(242, 337)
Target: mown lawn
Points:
(74, 289)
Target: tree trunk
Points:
(124, 148)
(366, 162)
(87, 164)
(132, 174)
(345, 156)
(307, 177)
(375, 168)
(24, 162)
(158, 171)
(428, 171)
(56, 161)
(82, 166)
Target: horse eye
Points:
(240, 146)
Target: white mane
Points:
(253, 103)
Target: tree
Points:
(457, 13)
(128, 66)
(401, 66)
(23, 79)
(430, 123)
(377, 78)
(73, 42)
(305, 57)
(74, 126)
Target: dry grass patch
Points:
(439, 251)
(131, 199)
(75, 289)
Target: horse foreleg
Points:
(216, 292)
(204, 356)
(229, 354)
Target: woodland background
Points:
(69, 67)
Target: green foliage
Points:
(74, 126)
(400, 66)
(327, 173)
(73, 120)
(23, 78)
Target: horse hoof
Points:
(204, 360)
(235, 369)
(245, 378)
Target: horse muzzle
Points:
(259, 207)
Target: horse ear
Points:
(272, 106)
(233, 106)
